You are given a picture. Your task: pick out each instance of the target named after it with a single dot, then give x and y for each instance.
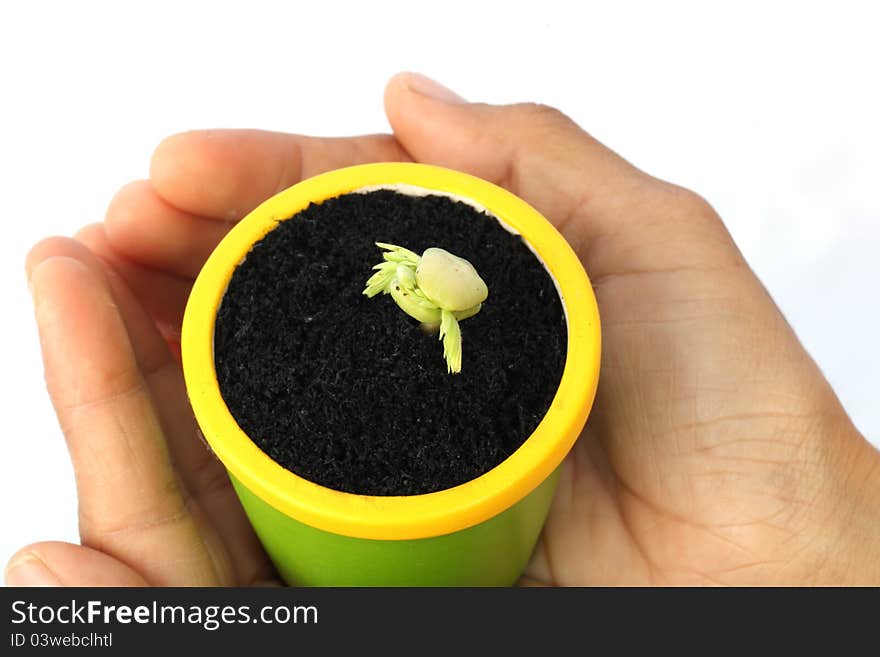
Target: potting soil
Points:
(349, 392)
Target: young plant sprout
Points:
(437, 288)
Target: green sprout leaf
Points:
(438, 289)
(450, 333)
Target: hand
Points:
(715, 453)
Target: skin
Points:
(716, 452)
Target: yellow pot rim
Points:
(395, 517)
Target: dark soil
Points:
(349, 392)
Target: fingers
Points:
(200, 471)
(224, 174)
(64, 564)
(162, 294)
(149, 231)
(131, 503)
(156, 365)
(169, 225)
(150, 351)
(165, 228)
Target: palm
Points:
(684, 474)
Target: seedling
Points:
(437, 288)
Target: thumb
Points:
(54, 563)
(584, 188)
(533, 150)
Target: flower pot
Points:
(478, 533)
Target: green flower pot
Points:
(480, 533)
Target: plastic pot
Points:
(479, 533)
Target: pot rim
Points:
(411, 516)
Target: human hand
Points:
(715, 453)
(155, 506)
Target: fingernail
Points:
(425, 86)
(31, 275)
(28, 274)
(32, 289)
(29, 570)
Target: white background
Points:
(769, 110)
